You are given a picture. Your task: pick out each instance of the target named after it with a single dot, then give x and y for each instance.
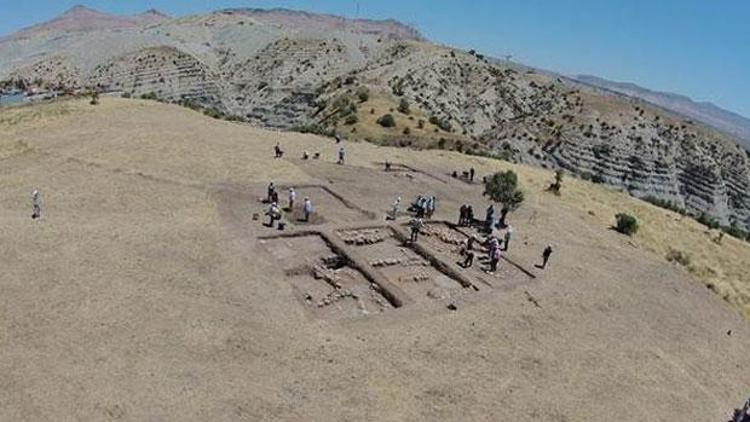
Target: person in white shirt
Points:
(292, 197)
(307, 208)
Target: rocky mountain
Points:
(705, 112)
(291, 69)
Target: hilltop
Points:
(148, 290)
(326, 74)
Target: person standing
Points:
(307, 208)
(36, 205)
(545, 255)
(489, 219)
(274, 214)
(494, 259)
(292, 197)
(341, 156)
(416, 225)
(471, 175)
(395, 208)
(277, 150)
(269, 192)
(467, 253)
(506, 239)
(492, 246)
(430, 206)
(503, 215)
(469, 216)
(462, 215)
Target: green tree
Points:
(503, 187)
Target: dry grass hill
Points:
(148, 291)
(325, 74)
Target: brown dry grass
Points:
(144, 294)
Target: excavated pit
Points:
(415, 271)
(446, 240)
(325, 282)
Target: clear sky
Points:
(700, 48)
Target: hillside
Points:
(147, 290)
(324, 74)
(706, 112)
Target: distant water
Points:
(10, 99)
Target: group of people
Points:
(466, 216)
(275, 213)
(467, 175)
(423, 206)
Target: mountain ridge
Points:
(727, 121)
(326, 74)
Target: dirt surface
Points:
(147, 291)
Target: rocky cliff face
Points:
(285, 69)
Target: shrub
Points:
(420, 124)
(737, 232)
(363, 94)
(387, 120)
(315, 128)
(403, 106)
(351, 119)
(626, 224)
(149, 96)
(663, 203)
(503, 187)
(407, 131)
(708, 221)
(125, 95)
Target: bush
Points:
(363, 94)
(503, 187)
(387, 120)
(351, 119)
(737, 232)
(626, 224)
(663, 203)
(125, 95)
(314, 128)
(708, 221)
(403, 106)
(149, 96)
(407, 131)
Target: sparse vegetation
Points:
(626, 224)
(679, 257)
(403, 106)
(363, 94)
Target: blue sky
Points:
(700, 48)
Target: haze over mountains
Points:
(304, 71)
(705, 112)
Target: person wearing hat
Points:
(274, 214)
